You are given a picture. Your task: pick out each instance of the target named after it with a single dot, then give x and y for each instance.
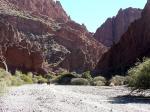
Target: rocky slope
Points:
(113, 28)
(63, 42)
(134, 44)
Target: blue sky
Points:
(94, 12)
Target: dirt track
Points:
(55, 98)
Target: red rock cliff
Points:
(113, 28)
(43, 8)
(18, 52)
(64, 43)
(134, 44)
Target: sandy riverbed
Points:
(56, 98)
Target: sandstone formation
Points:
(113, 28)
(134, 44)
(63, 42)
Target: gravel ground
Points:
(56, 98)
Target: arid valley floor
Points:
(56, 98)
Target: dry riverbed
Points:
(56, 98)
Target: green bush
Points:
(139, 76)
(16, 81)
(99, 78)
(49, 76)
(18, 73)
(117, 80)
(39, 79)
(22, 78)
(87, 75)
(63, 78)
(30, 74)
(4, 74)
(79, 81)
(3, 86)
(5, 80)
(98, 81)
(27, 79)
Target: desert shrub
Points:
(39, 79)
(27, 79)
(3, 86)
(63, 78)
(30, 74)
(117, 80)
(99, 78)
(5, 80)
(139, 76)
(79, 81)
(49, 76)
(18, 73)
(87, 75)
(98, 81)
(16, 81)
(4, 74)
(22, 78)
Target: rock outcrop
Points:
(43, 8)
(63, 42)
(18, 52)
(134, 44)
(85, 51)
(113, 28)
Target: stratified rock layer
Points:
(113, 28)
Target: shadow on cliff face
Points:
(133, 45)
(130, 99)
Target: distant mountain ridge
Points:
(111, 31)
